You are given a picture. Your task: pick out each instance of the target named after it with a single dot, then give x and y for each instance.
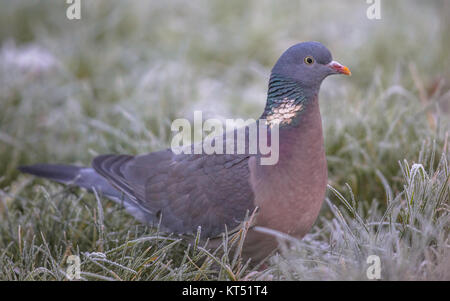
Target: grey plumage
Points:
(185, 191)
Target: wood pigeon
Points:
(182, 192)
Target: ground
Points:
(113, 81)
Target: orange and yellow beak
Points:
(338, 68)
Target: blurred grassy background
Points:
(113, 81)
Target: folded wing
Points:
(183, 191)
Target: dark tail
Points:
(85, 177)
(60, 173)
(88, 178)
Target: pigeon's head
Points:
(308, 63)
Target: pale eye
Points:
(309, 60)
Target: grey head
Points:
(296, 79)
(308, 64)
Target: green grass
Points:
(113, 82)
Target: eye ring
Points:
(309, 60)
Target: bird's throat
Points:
(286, 102)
